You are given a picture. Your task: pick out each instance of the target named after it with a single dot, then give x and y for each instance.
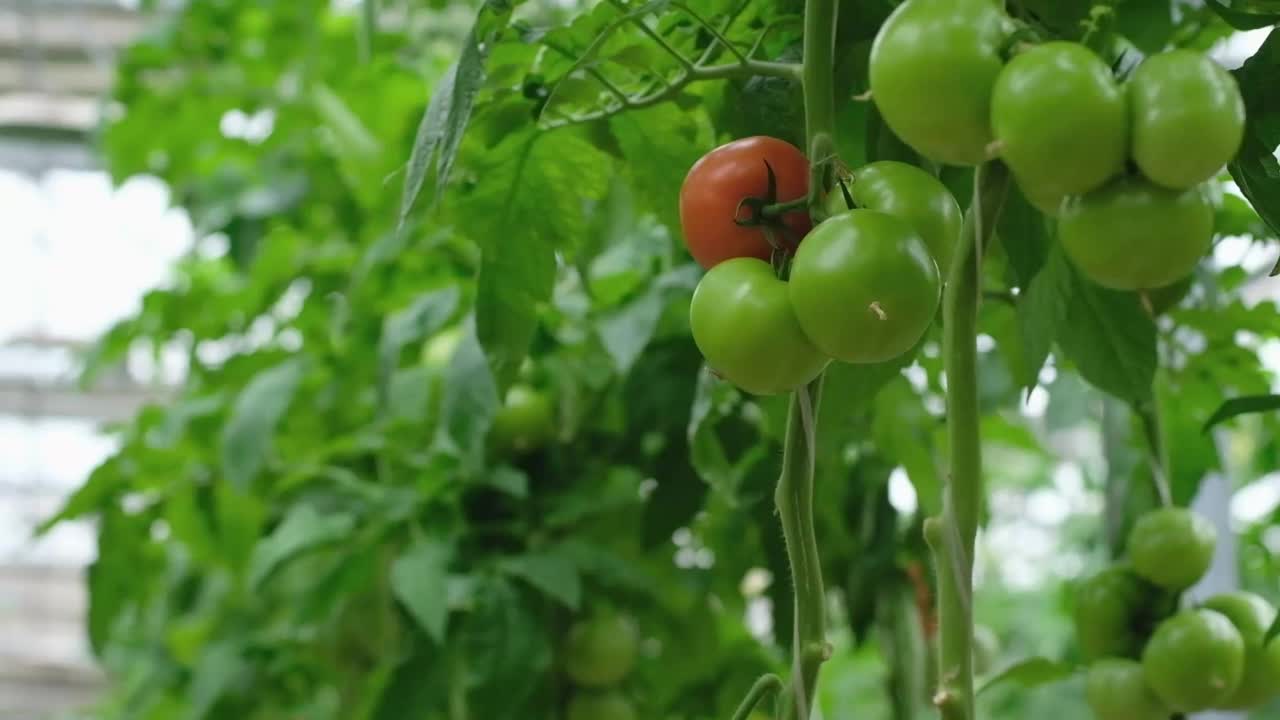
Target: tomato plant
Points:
(1172, 547)
(1194, 661)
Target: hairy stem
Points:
(952, 536)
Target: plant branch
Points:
(765, 685)
(637, 18)
(952, 536)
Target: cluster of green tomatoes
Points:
(599, 653)
(1148, 659)
(1121, 164)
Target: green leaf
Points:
(445, 120)
(553, 574)
(1025, 239)
(247, 436)
(1255, 169)
(351, 138)
(103, 484)
(423, 317)
(1241, 406)
(304, 529)
(220, 666)
(1042, 309)
(506, 643)
(418, 578)
(626, 331)
(659, 145)
(118, 574)
(469, 402)
(1111, 340)
(1028, 673)
(529, 206)
(1247, 14)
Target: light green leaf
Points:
(219, 667)
(626, 331)
(418, 578)
(1028, 673)
(469, 401)
(303, 530)
(553, 574)
(660, 145)
(247, 436)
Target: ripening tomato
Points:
(743, 323)
(606, 705)
(1194, 661)
(864, 286)
(721, 179)
(1172, 547)
(1117, 690)
(907, 192)
(1133, 235)
(932, 69)
(601, 651)
(1061, 120)
(1188, 118)
(1251, 615)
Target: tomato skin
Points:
(1061, 120)
(933, 66)
(1117, 690)
(609, 705)
(1133, 235)
(1108, 611)
(1171, 547)
(1194, 660)
(601, 651)
(907, 192)
(719, 181)
(526, 421)
(864, 286)
(1251, 615)
(1188, 118)
(743, 323)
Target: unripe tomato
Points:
(438, 350)
(1251, 616)
(721, 179)
(907, 192)
(864, 286)
(1188, 118)
(1171, 547)
(608, 705)
(1132, 235)
(1108, 609)
(1061, 120)
(1117, 690)
(743, 323)
(1048, 203)
(601, 651)
(526, 421)
(933, 66)
(1194, 661)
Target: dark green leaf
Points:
(1241, 406)
(1110, 339)
(1042, 309)
(304, 529)
(552, 573)
(219, 667)
(1029, 673)
(101, 487)
(247, 436)
(506, 643)
(418, 579)
(1255, 168)
(1247, 14)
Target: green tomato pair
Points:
(864, 286)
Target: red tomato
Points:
(721, 179)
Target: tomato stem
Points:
(952, 536)
(765, 685)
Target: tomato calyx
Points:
(766, 213)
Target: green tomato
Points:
(1251, 616)
(1109, 612)
(932, 69)
(608, 705)
(438, 350)
(1132, 235)
(1048, 203)
(601, 651)
(1188, 118)
(1171, 547)
(1061, 120)
(1117, 690)
(907, 192)
(526, 421)
(1194, 661)
(864, 286)
(743, 323)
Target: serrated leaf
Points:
(304, 529)
(553, 574)
(418, 579)
(1028, 673)
(247, 436)
(529, 205)
(1241, 406)
(424, 316)
(660, 144)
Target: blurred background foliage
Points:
(320, 523)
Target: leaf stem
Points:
(765, 685)
(952, 536)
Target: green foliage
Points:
(318, 525)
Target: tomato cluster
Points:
(599, 653)
(1150, 660)
(1122, 164)
(861, 287)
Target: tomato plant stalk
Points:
(952, 535)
